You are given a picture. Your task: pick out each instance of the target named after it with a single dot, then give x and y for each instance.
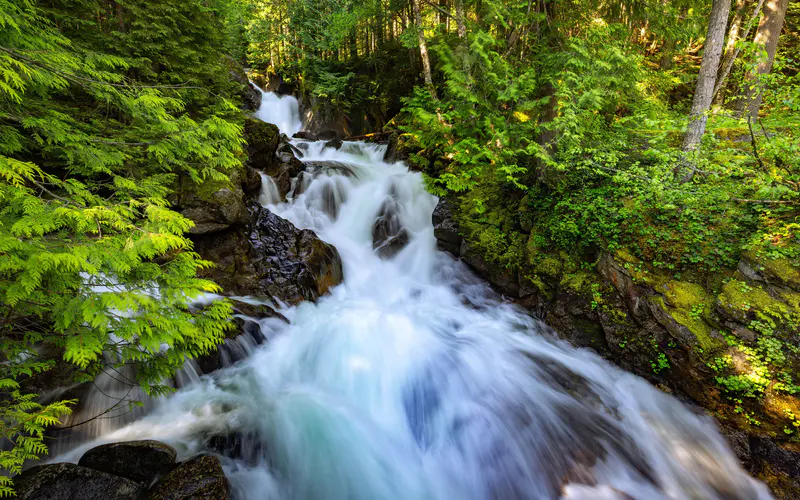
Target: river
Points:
(413, 380)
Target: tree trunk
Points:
(423, 49)
(731, 52)
(442, 9)
(769, 30)
(462, 27)
(667, 53)
(704, 91)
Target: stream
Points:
(413, 380)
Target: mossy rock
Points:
(262, 142)
(781, 271)
(745, 303)
(199, 477)
(690, 330)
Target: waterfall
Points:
(282, 111)
(269, 191)
(412, 380)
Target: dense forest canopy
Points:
(667, 130)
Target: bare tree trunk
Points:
(731, 52)
(767, 35)
(462, 27)
(423, 49)
(704, 90)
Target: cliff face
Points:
(728, 343)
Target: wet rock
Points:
(199, 477)
(445, 228)
(330, 167)
(64, 481)
(388, 234)
(135, 460)
(213, 205)
(252, 181)
(262, 142)
(328, 135)
(335, 144)
(251, 97)
(293, 264)
(505, 280)
(777, 464)
(245, 446)
(271, 258)
(305, 135)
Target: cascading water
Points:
(280, 110)
(411, 380)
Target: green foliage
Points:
(97, 129)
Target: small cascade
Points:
(269, 191)
(413, 380)
(282, 111)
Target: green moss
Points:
(549, 265)
(741, 300)
(689, 305)
(683, 295)
(695, 324)
(579, 282)
(781, 268)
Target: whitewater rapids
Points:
(413, 381)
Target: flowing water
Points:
(412, 380)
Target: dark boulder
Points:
(285, 167)
(245, 446)
(305, 135)
(388, 234)
(335, 144)
(262, 142)
(213, 205)
(197, 478)
(251, 184)
(328, 135)
(445, 227)
(292, 264)
(271, 258)
(251, 97)
(135, 460)
(64, 481)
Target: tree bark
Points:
(704, 91)
(423, 49)
(442, 9)
(731, 52)
(767, 35)
(462, 27)
(667, 52)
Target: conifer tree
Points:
(93, 262)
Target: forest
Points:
(575, 140)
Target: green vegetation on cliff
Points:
(104, 106)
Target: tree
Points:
(423, 48)
(94, 136)
(767, 35)
(462, 27)
(731, 48)
(704, 90)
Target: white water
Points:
(280, 110)
(412, 381)
(269, 191)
